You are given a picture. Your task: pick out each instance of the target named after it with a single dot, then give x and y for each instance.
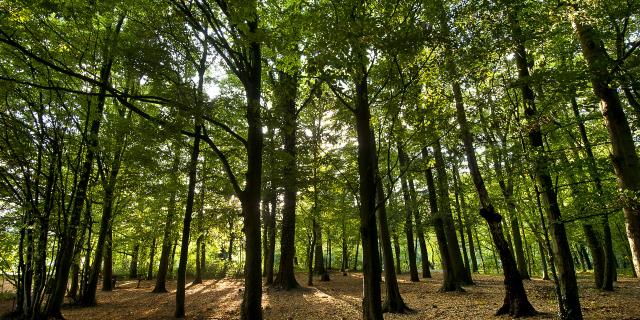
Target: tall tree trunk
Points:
(160, 286)
(609, 260)
(200, 240)
(445, 211)
(450, 282)
(186, 226)
(271, 241)
(69, 238)
(408, 208)
(516, 302)
(424, 255)
(152, 255)
(560, 243)
(393, 302)
(459, 209)
(624, 157)
(367, 164)
(286, 278)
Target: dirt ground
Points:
(340, 299)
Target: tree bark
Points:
(286, 278)
(367, 164)
(624, 157)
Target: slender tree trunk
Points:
(408, 208)
(560, 244)
(450, 282)
(459, 209)
(624, 156)
(396, 250)
(271, 243)
(152, 255)
(516, 302)
(424, 255)
(186, 226)
(69, 238)
(445, 210)
(393, 302)
(543, 258)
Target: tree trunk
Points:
(462, 273)
(408, 208)
(516, 302)
(459, 209)
(286, 278)
(543, 258)
(560, 244)
(186, 226)
(69, 238)
(133, 267)
(424, 255)
(151, 257)
(271, 241)
(367, 164)
(450, 282)
(624, 157)
(393, 302)
(107, 269)
(596, 253)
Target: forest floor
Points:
(340, 299)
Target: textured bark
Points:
(367, 164)
(286, 278)
(152, 255)
(624, 157)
